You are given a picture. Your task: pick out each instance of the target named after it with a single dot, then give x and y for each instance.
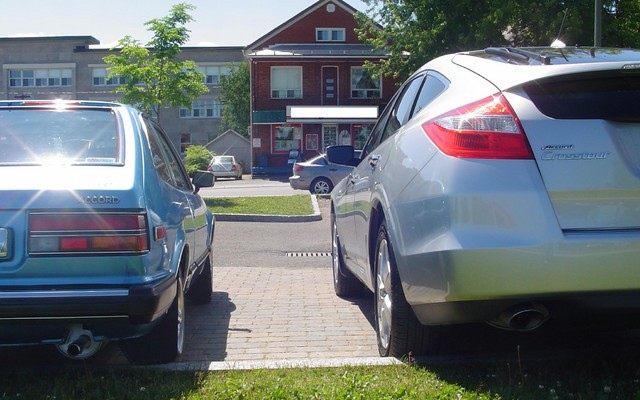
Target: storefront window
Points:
(286, 137)
(329, 136)
(360, 134)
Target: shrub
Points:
(197, 158)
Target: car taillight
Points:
(233, 167)
(84, 233)
(487, 128)
(298, 168)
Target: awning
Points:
(332, 114)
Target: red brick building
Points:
(309, 89)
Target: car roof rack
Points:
(519, 56)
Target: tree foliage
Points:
(155, 77)
(234, 96)
(415, 31)
(197, 158)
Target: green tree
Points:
(415, 31)
(234, 95)
(197, 158)
(155, 77)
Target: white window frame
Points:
(40, 77)
(364, 93)
(203, 108)
(340, 34)
(99, 78)
(286, 90)
(213, 73)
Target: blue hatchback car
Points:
(102, 232)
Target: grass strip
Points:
(262, 205)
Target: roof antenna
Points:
(558, 44)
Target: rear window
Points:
(50, 136)
(223, 160)
(611, 97)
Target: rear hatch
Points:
(585, 134)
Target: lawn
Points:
(263, 205)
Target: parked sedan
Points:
(499, 186)
(225, 167)
(318, 175)
(102, 233)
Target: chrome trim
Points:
(58, 294)
(4, 242)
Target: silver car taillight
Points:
(487, 128)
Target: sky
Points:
(216, 22)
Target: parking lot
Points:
(273, 302)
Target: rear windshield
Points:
(611, 97)
(223, 160)
(46, 136)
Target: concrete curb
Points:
(316, 216)
(281, 364)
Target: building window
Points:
(360, 135)
(213, 73)
(329, 136)
(286, 82)
(363, 86)
(185, 141)
(330, 34)
(100, 78)
(202, 109)
(40, 77)
(286, 137)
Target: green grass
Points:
(264, 205)
(463, 380)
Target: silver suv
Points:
(498, 186)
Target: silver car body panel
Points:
(477, 230)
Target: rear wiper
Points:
(519, 56)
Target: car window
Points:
(432, 87)
(164, 158)
(40, 136)
(376, 133)
(401, 112)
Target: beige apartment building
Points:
(71, 67)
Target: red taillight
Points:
(233, 167)
(298, 168)
(56, 233)
(485, 129)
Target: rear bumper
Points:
(485, 241)
(298, 183)
(39, 316)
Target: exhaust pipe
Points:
(79, 343)
(521, 317)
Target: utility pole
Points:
(597, 24)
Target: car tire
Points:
(321, 186)
(164, 344)
(399, 333)
(202, 288)
(345, 283)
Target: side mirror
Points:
(340, 154)
(203, 179)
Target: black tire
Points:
(321, 186)
(164, 344)
(345, 283)
(399, 333)
(201, 289)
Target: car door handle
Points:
(374, 159)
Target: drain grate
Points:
(308, 254)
